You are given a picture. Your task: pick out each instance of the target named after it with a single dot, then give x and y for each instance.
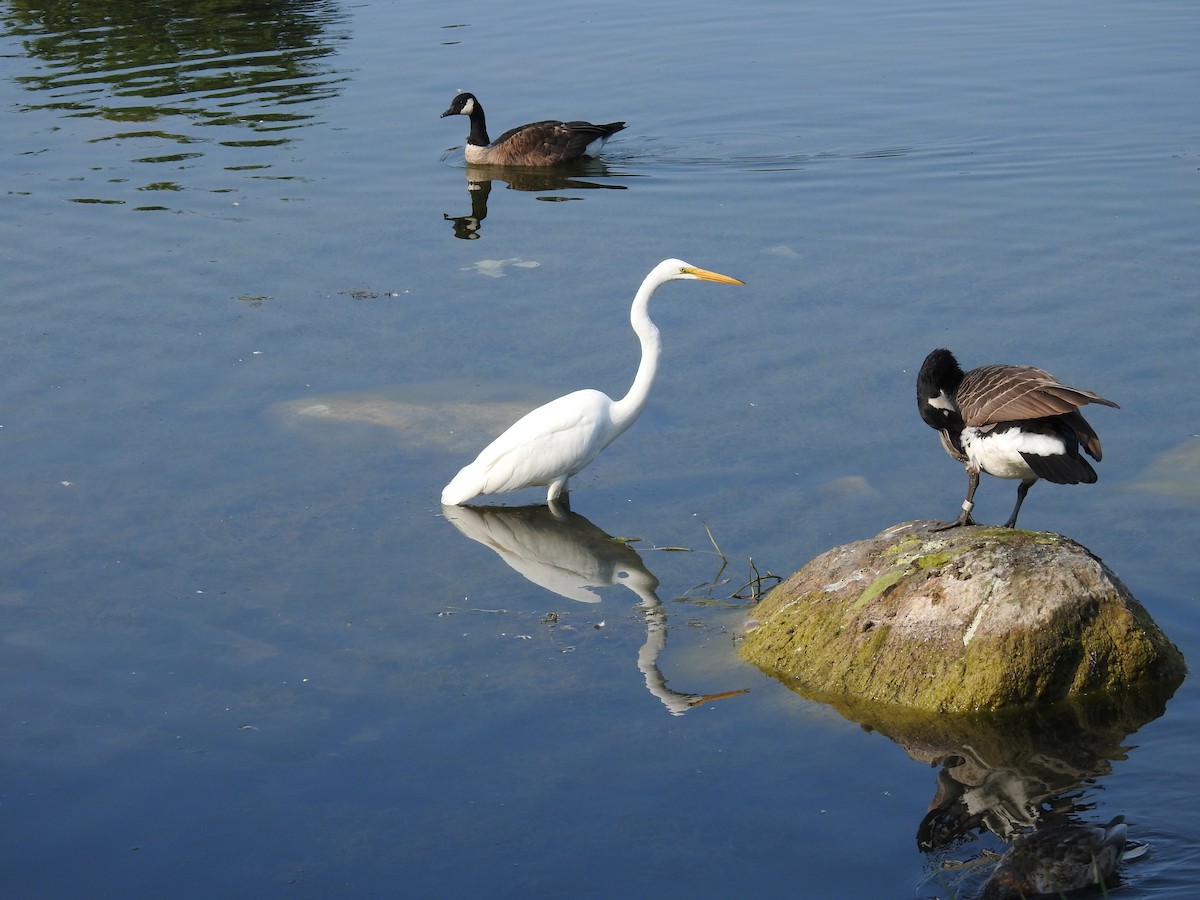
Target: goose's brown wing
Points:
(1000, 393)
(541, 143)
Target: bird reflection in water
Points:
(566, 554)
(574, 176)
(1060, 859)
(1027, 777)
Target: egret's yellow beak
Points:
(692, 704)
(705, 275)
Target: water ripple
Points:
(258, 72)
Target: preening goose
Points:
(1009, 421)
(537, 144)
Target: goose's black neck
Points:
(478, 136)
(937, 382)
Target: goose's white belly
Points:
(999, 454)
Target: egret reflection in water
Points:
(580, 175)
(566, 554)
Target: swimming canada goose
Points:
(536, 144)
(1008, 421)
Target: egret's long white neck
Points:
(626, 410)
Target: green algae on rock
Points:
(970, 618)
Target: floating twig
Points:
(755, 584)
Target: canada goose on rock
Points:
(536, 144)
(1009, 421)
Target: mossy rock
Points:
(972, 618)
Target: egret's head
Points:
(672, 269)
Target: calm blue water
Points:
(246, 341)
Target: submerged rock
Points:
(965, 619)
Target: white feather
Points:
(999, 453)
(593, 149)
(942, 401)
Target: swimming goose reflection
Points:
(573, 176)
(467, 227)
(566, 554)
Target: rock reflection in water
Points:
(1018, 772)
(1009, 771)
(565, 553)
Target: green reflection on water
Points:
(190, 58)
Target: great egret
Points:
(536, 144)
(1060, 859)
(553, 442)
(1008, 421)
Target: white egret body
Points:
(553, 442)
